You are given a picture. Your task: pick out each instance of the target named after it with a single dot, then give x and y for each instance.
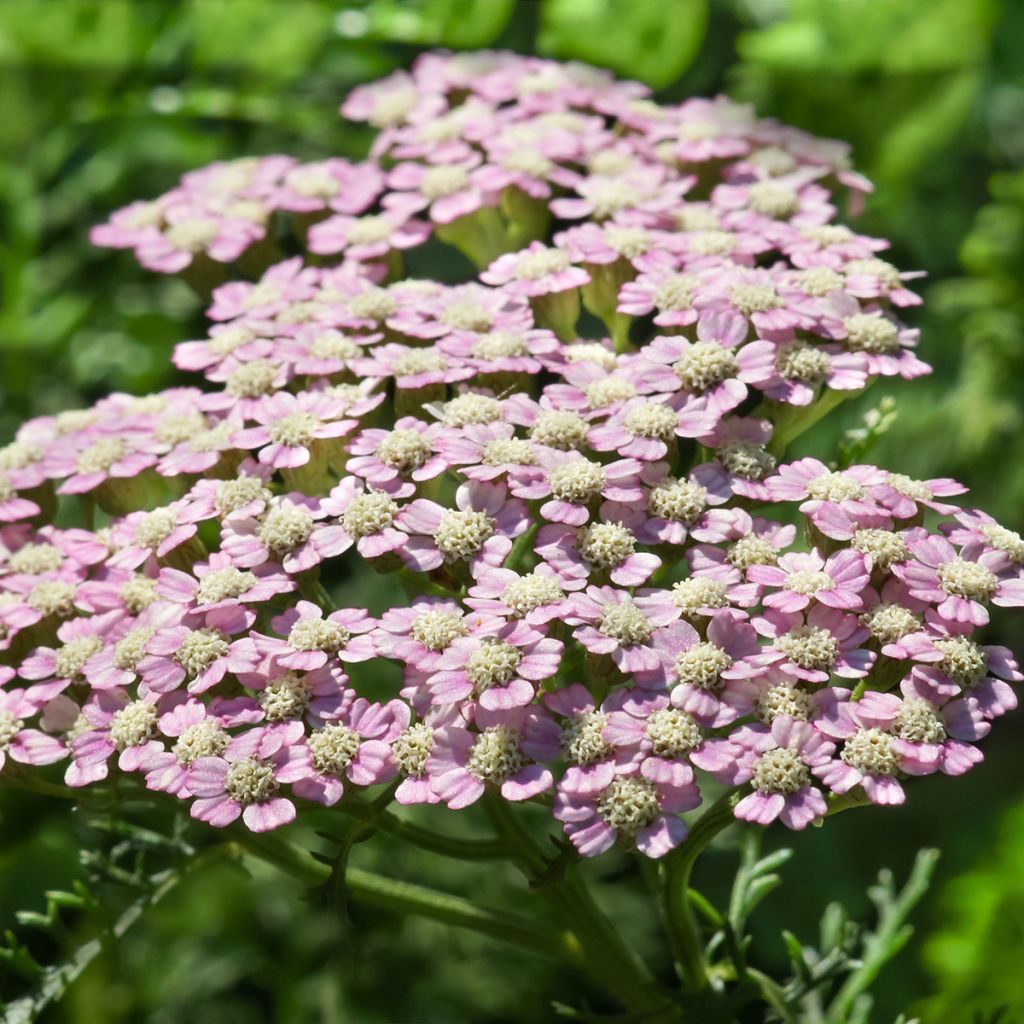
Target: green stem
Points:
(683, 931)
(790, 421)
(610, 962)
(408, 898)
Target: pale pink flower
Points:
(803, 577)
(534, 271)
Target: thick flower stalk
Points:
(621, 597)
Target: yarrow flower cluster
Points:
(610, 610)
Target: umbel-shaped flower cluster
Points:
(620, 597)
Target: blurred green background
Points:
(108, 101)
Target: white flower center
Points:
(808, 582)
(917, 721)
(909, 487)
(889, 622)
(493, 663)
(71, 658)
(368, 514)
(835, 487)
(508, 452)
(968, 580)
(705, 364)
(809, 647)
(131, 647)
(1002, 539)
(495, 756)
(9, 728)
(868, 332)
(560, 429)
(611, 197)
(412, 748)
(133, 724)
(250, 781)
(373, 304)
(802, 362)
(318, 635)
(285, 697)
(192, 235)
(745, 459)
(673, 733)
(652, 419)
(674, 294)
(629, 805)
(295, 431)
(702, 665)
(369, 230)
(628, 242)
(964, 661)
(773, 200)
(439, 182)
(536, 265)
(605, 545)
(818, 281)
(608, 390)
(711, 243)
(205, 738)
(680, 501)
(200, 649)
(870, 751)
(591, 352)
(471, 408)
(224, 585)
(499, 345)
(235, 494)
(436, 628)
(576, 481)
(883, 546)
(784, 699)
(582, 740)
(35, 559)
(467, 315)
(461, 534)
(780, 771)
(698, 592)
(887, 274)
(625, 623)
(529, 593)
(751, 550)
(404, 450)
(251, 380)
(99, 457)
(754, 298)
(52, 597)
(285, 528)
(419, 360)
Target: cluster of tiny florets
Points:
(605, 602)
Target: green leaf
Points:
(655, 42)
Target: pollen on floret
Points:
(499, 345)
(711, 243)
(695, 218)
(469, 408)
(909, 487)
(35, 559)
(801, 362)
(754, 298)
(512, 451)
(745, 459)
(673, 733)
(205, 738)
(9, 728)
(773, 200)
(52, 597)
(582, 738)
(232, 495)
(605, 545)
(626, 623)
(780, 771)
(530, 592)
(561, 429)
(628, 242)
(652, 419)
(200, 649)
(495, 756)
(468, 315)
(192, 235)
(100, 456)
(591, 352)
(314, 634)
(411, 748)
(250, 781)
(155, 527)
(784, 699)
(885, 547)
(835, 487)
(436, 628)
(968, 580)
(215, 439)
(675, 293)
(1008, 541)
(871, 333)
(419, 360)
(224, 585)
(133, 724)
(870, 751)
(527, 161)
(536, 265)
(404, 450)
(698, 592)
(629, 805)
(369, 230)
(810, 647)
(285, 697)
(751, 550)
(130, 649)
(373, 304)
(702, 665)
(679, 501)
(819, 281)
(888, 622)
(705, 364)
(19, 455)
(252, 380)
(285, 528)
(444, 180)
(462, 533)
(493, 663)
(609, 162)
(808, 582)
(576, 480)
(885, 272)
(964, 661)
(368, 514)
(608, 390)
(70, 659)
(917, 721)
(176, 429)
(296, 430)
